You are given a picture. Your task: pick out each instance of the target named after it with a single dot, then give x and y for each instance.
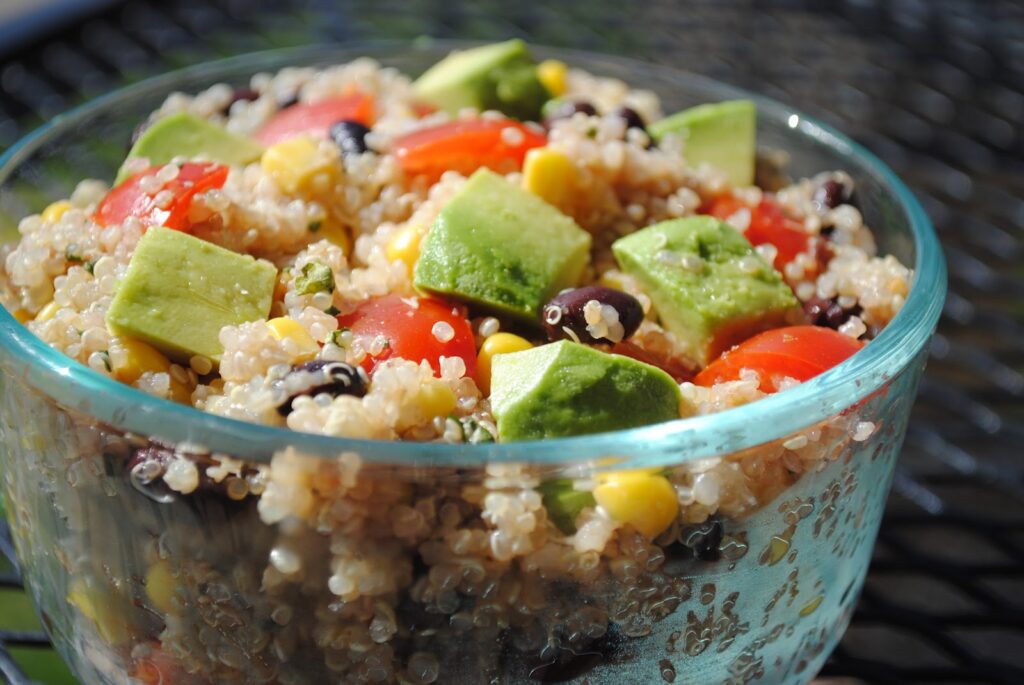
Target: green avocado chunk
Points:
(707, 283)
(723, 134)
(187, 135)
(179, 291)
(500, 76)
(565, 388)
(502, 248)
(564, 503)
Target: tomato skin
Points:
(768, 224)
(157, 668)
(128, 199)
(799, 352)
(315, 119)
(409, 331)
(464, 146)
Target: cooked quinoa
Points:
(333, 238)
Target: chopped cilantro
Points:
(314, 278)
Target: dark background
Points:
(936, 88)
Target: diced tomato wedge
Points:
(128, 198)
(315, 119)
(465, 146)
(409, 327)
(798, 352)
(156, 668)
(768, 224)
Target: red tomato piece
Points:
(768, 224)
(410, 331)
(465, 146)
(157, 668)
(128, 198)
(316, 118)
(799, 352)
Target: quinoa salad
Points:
(498, 250)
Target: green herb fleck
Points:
(90, 266)
(72, 254)
(474, 431)
(314, 278)
(314, 226)
(337, 337)
(106, 360)
(332, 311)
(592, 132)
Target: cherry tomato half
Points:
(799, 352)
(409, 325)
(315, 119)
(128, 198)
(465, 146)
(768, 224)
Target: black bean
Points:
(831, 193)
(319, 376)
(349, 136)
(564, 109)
(241, 94)
(146, 468)
(828, 312)
(631, 117)
(566, 311)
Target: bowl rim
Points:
(79, 388)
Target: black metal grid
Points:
(935, 87)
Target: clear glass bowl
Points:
(357, 565)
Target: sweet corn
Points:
(551, 74)
(48, 311)
(404, 245)
(299, 163)
(499, 343)
(101, 608)
(137, 360)
(283, 328)
(22, 315)
(436, 399)
(160, 584)
(55, 211)
(549, 174)
(643, 499)
(336, 233)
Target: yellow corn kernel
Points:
(299, 163)
(55, 211)
(499, 343)
(101, 608)
(137, 360)
(551, 74)
(48, 311)
(549, 175)
(404, 245)
(334, 232)
(22, 315)
(180, 392)
(283, 328)
(436, 399)
(160, 585)
(643, 499)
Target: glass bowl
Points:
(308, 559)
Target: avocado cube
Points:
(501, 248)
(179, 291)
(723, 134)
(708, 284)
(565, 388)
(187, 135)
(496, 76)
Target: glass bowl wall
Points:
(329, 560)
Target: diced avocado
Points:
(722, 134)
(564, 503)
(499, 76)
(565, 388)
(187, 135)
(502, 248)
(179, 291)
(707, 283)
